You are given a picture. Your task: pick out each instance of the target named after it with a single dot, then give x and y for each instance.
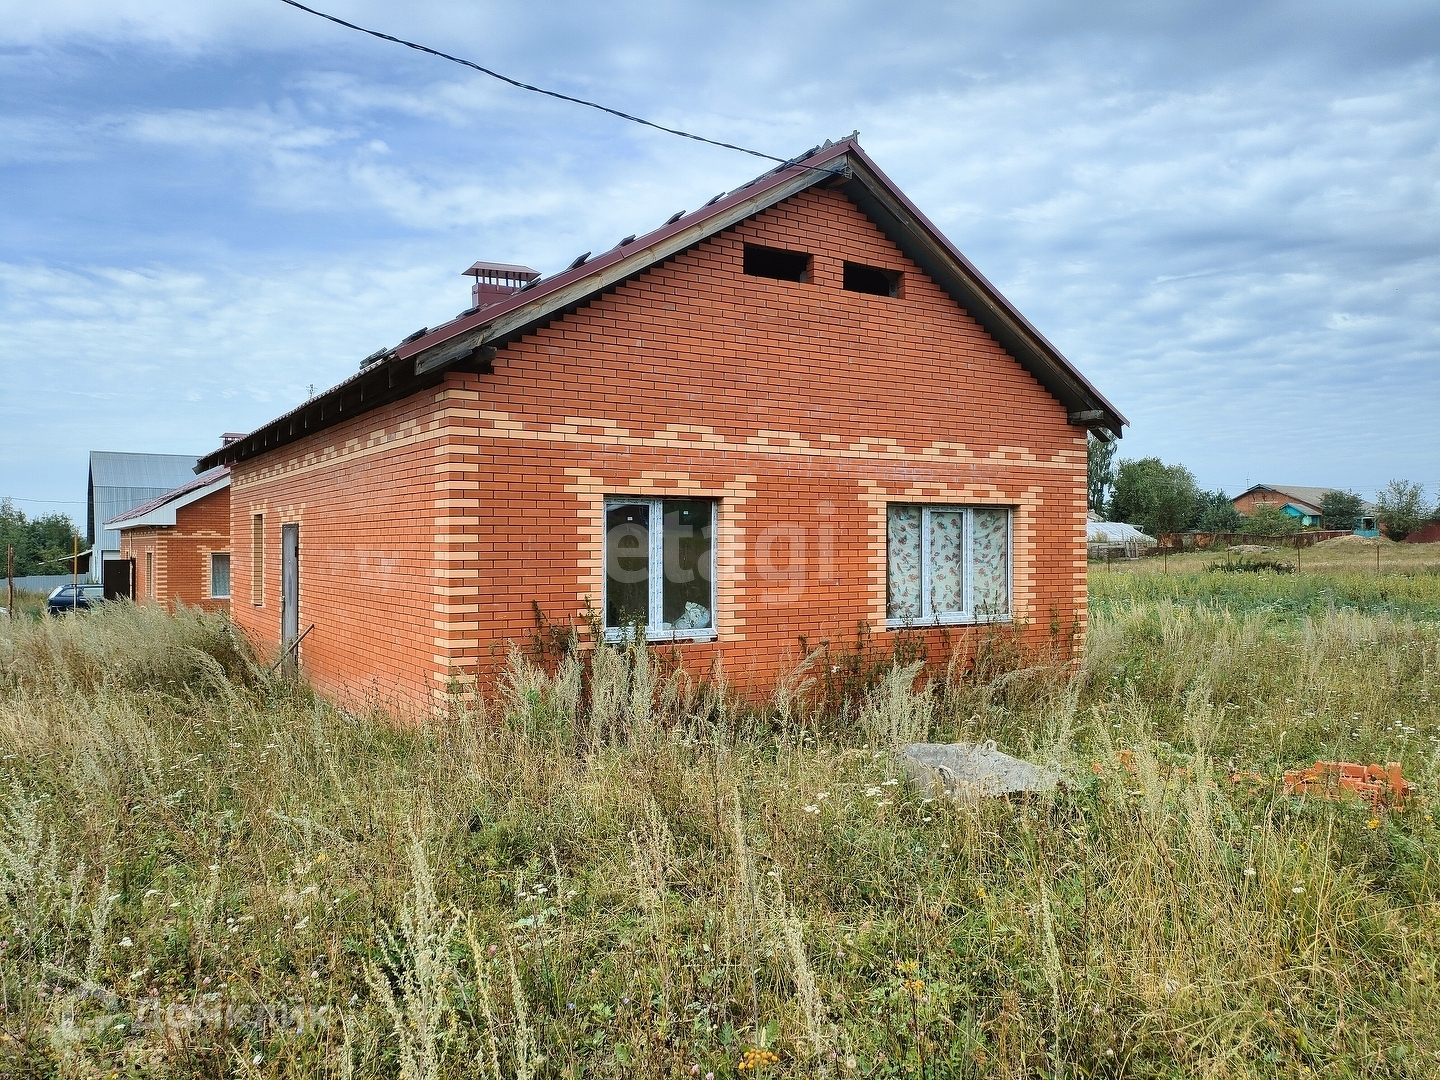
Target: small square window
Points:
(871, 279)
(777, 264)
(220, 576)
(659, 568)
(947, 564)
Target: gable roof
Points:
(161, 509)
(1305, 498)
(470, 340)
(120, 480)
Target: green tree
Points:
(13, 534)
(1155, 497)
(1341, 509)
(42, 546)
(1218, 513)
(1401, 508)
(1269, 519)
(1101, 471)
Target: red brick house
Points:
(793, 412)
(178, 544)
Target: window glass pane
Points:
(991, 547)
(947, 562)
(219, 576)
(689, 547)
(627, 565)
(903, 581)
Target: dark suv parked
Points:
(65, 599)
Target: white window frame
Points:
(213, 594)
(967, 617)
(657, 559)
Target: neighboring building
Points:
(119, 481)
(178, 545)
(1369, 527)
(795, 413)
(1301, 502)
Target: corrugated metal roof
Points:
(121, 480)
(110, 468)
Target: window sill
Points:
(619, 637)
(945, 620)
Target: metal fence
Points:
(39, 582)
(1206, 541)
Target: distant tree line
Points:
(42, 545)
(1160, 498)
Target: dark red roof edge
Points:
(815, 161)
(985, 282)
(545, 286)
(204, 479)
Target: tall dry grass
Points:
(608, 867)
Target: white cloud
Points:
(1227, 217)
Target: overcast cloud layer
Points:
(1227, 215)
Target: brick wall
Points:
(431, 527)
(180, 554)
(1247, 503)
(366, 497)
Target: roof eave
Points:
(164, 514)
(910, 230)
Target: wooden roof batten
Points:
(470, 342)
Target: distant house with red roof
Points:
(178, 544)
(1298, 502)
(794, 416)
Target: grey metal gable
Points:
(120, 481)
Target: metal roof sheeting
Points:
(119, 481)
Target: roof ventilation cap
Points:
(494, 281)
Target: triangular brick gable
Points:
(471, 340)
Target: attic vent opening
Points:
(774, 263)
(872, 280)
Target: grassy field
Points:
(609, 869)
(1337, 574)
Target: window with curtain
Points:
(220, 575)
(659, 568)
(947, 564)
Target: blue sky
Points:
(1227, 214)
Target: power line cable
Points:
(541, 90)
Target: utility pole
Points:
(75, 571)
(10, 574)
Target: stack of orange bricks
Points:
(1380, 786)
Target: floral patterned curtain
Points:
(947, 562)
(990, 550)
(903, 530)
